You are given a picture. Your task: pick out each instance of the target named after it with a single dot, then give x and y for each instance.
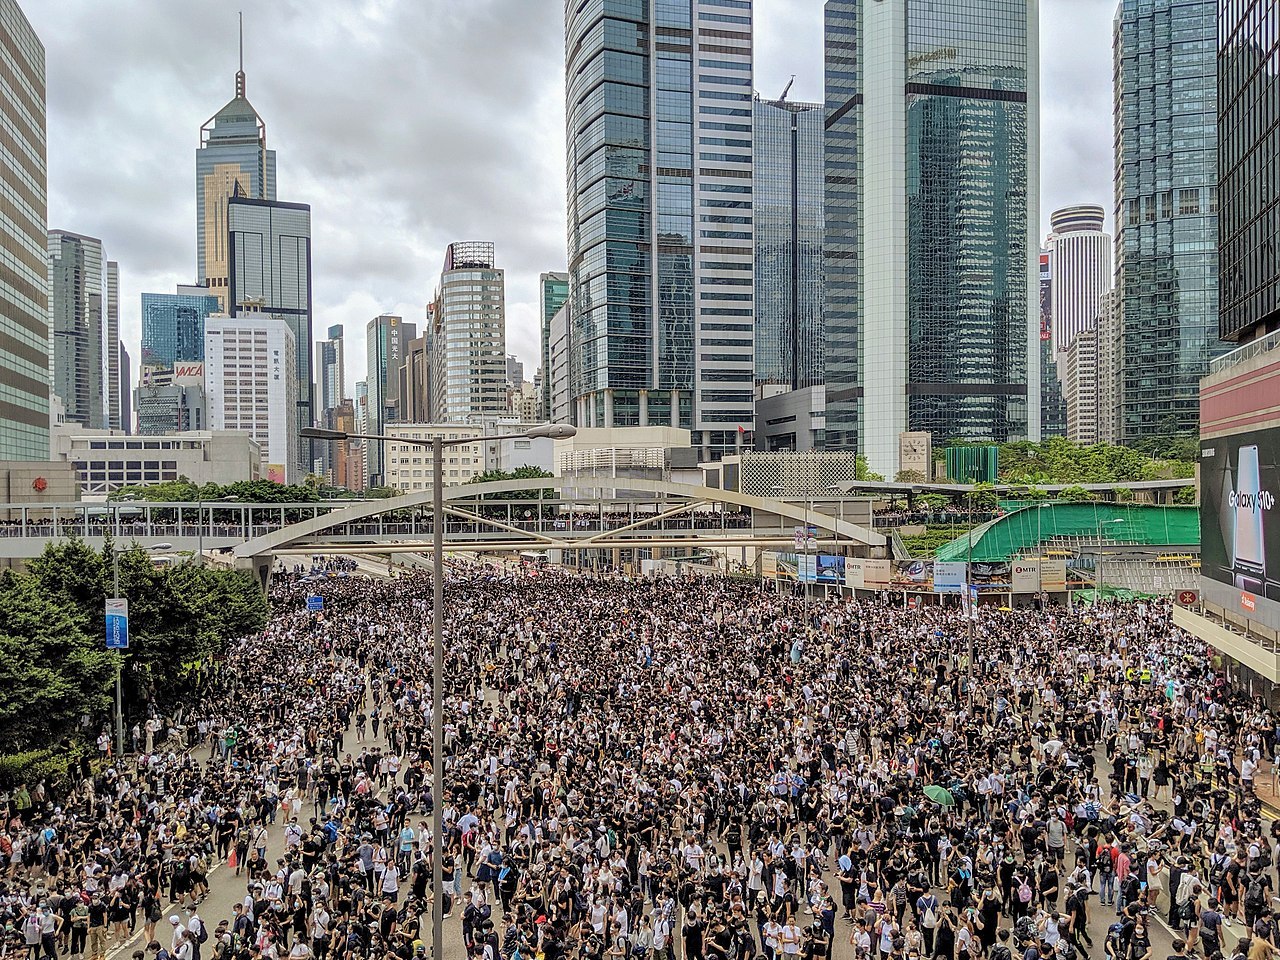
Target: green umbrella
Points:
(940, 795)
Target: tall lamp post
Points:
(549, 431)
(1097, 593)
(116, 550)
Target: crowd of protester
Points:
(643, 769)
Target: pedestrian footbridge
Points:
(565, 514)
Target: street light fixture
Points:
(547, 431)
(115, 589)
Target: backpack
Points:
(1253, 895)
(929, 919)
(203, 934)
(1024, 892)
(1264, 854)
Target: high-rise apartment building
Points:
(231, 161)
(787, 201)
(553, 291)
(1249, 168)
(469, 336)
(25, 344)
(251, 385)
(1166, 211)
(659, 143)
(173, 326)
(386, 342)
(932, 176)
(269, 271)
(1080, 265)
(78, 298)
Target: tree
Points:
(51, 671)
(909, 476)
(1077, 494)
(1186, 496)
(863, 472)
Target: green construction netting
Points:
(1008, 536)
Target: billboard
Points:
(863, 573)
(1026, 576)
(949, 576)
(1053, 576)
(1239, 518)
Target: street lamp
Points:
(548, 431)
(115, 589)
(1097, 593)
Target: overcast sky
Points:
(407, 124)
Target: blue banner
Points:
(117, 617)
(315, 604)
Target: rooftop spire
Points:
(240, 72)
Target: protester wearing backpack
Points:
(927, 908)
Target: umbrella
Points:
(940, 795)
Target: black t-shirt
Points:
(97, 914)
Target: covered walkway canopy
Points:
(1026, 529)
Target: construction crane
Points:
(787, 89)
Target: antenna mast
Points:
(240, 72)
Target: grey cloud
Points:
(407, 124)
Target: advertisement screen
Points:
(1239, 519)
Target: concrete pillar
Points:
(644, 408)
(608, 408)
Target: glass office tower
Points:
(77, 321)
(1166, 212)
(173, 326)
(231, 161)
(659, 144)
(553, 290)
(788, 185)
(932, 276)
(1249, 167)
(24, 284)
(269, 269)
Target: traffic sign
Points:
(1188, 598)
(117, 618)
(315, 604)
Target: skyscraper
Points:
(126, 391)
(469, 336)
(1249, 168)
(251, 385)
(269, 271)
(1080, 265)
(386, 342)
(1053, 406)
(112, 344)
(25, 346)
(659, 144)
(77, 309)
(232, 160)
(553, 291)
(330, 373)
(1166, 211)
(173, 326)
(931, 273)
(787, 201)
